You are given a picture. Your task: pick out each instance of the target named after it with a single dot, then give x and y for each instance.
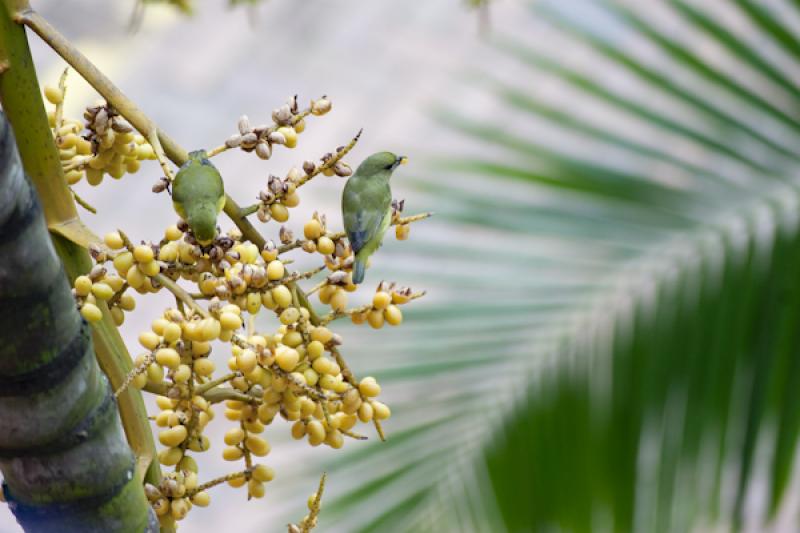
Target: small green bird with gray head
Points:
(198, 196)
(367, 207)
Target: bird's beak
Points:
(401, 160)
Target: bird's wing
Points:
(363, 224)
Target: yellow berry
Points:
(321, 334)
(165, 403)
(287, 358)
(290, 134)
(334, 439)
(316, 432)
(375, 318)
(381, 300)
(325, 246)
(123, 263)
(401, 231)
(275, 270)
(312, 229)
(253, 303)
(230, 320)
(246, 361)
(173, 436)
(232, 453)
(168, 357)
(234, 436)
(298, 430)
(257, 445)
(255, 488)
(281, 296)
(170, 456)
(151, 268)
(292, 339)
(237, 482)
(204, 367)
(365, 412)
(102, 291)
(209, 330)
(201, 499)
(339, 300)
(291, 200)
(179, 508)
(83, 285)
(135, 278)
(393, 315)
(172, 233)
(117, 315)
(369, 387)
(172, 332)
(183, 374)
(73, 176)
(279, 212)
(263, 473)
(169, 252)
(143, 254)
(149, 340)
(91, 313)
(115, 282)
(322, 365)
(54, 95)
(315, 349)
(114, 240)
(155, 374)
(382, 411)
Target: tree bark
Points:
(63, 454)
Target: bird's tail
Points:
(359, 267)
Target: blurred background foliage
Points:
(610, 338)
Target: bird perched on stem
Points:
(367, 207)
(198, 196)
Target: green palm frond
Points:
(611, 341)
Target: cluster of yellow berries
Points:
(108, 145)
(384, 308)
(177, 492)
(296, 372)
(279, 196)
(317, 239)
(97, 286)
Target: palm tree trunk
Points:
(63, 454)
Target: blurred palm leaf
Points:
(611, 341)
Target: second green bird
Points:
(367, 207)
(198, 196)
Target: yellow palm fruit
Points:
(263, 473)
(143, 254)
(102, 291)
(315, 432)
(257, 445)
(230, 320)
(168, 357)
(234, 436)
(375, 318)
(279, 212)
(401, 231)
(282, 296)
(204, 367)
(170, 456)
(312, 229)
(369, 387)
(173, 436)
(83, 285)
(232, 453)
(339, 300)
(123, 263)
(255, 488)
(381, 300)
(201, 499)
(149, 340)
(393, 315)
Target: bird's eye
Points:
(389, 166)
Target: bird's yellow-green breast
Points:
(198, 196)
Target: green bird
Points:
(198, 195)
(367, 207)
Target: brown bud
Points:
(342, 169)
(249, 140)
(263, 214)
(282, 115)
(321, 106)
(309, 246)
(160, 185)
(309, 167)
(286, 235)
